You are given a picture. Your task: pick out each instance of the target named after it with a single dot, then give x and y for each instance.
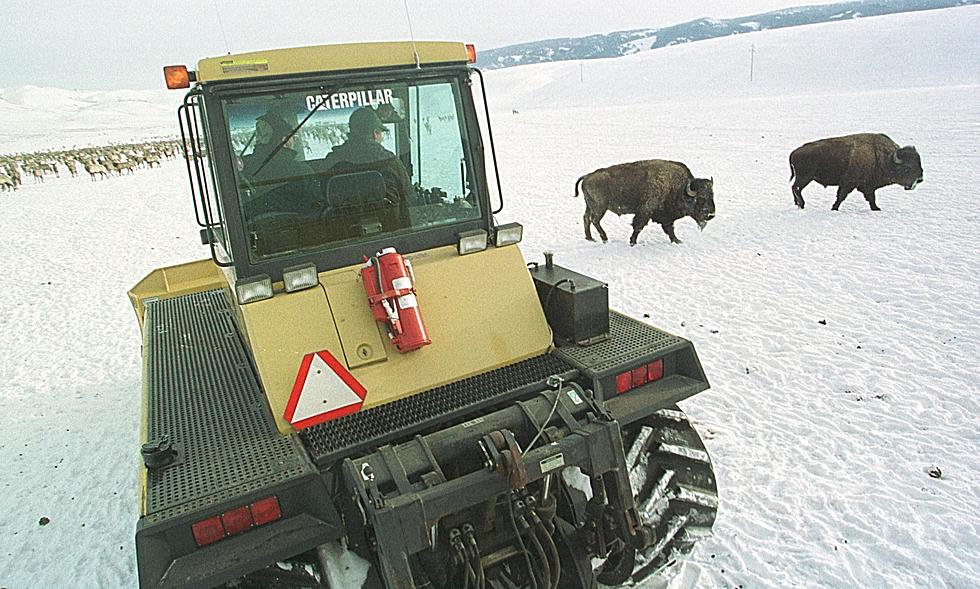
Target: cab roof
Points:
(324, 58)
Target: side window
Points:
(441, 171)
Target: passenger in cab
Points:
(282, 182)
(266, 161)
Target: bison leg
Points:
(798, 187)
(870, 197)
(587, 222)
(596, 217)
(669, 230)
(842, 192)
(639, 222)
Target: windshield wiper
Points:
(324, 96)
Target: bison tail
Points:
(792, 171)
(577, 182)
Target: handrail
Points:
(493, 151)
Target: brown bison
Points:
(865, 162)
(650, 190)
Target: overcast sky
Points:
(114, 44)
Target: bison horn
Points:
(690, 189)
(896, 159)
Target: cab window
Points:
(321, 168)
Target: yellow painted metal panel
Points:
(282, 330)
(144, 426)
(360, 334)
(352, 56)
(481, 312)
(174, 281)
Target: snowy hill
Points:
(910, 50)
(33, 118)
(842, 347)
(627, 42)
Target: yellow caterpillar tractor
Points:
(367, 361)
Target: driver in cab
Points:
(363, 151)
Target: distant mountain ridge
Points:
(634, 41)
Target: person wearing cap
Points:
(363, 151)
(281, 181)
(363, 144)
(265, 161)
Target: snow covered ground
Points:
(843, 348)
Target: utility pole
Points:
(752, 62)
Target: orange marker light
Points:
(470, 53)
(177, 76)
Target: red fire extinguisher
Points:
(390, 285)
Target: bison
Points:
(650, 190)
(866, 162)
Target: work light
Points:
(253, 289)
(472, 241)
(300, 277)
(508, 234)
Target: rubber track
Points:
(678, 494)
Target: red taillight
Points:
(640, 375)
(624, 382)
(208, 531)
(655, 370)
(266, 510)
(237, 520)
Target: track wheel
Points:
(673, 486)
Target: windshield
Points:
(369, 160)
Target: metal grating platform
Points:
(628, 340)
(202, 392)
(378, 425)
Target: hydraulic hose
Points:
(542, 558)
(476, 559)
(520, 540)
(549, 542)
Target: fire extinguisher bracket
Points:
(390, 286)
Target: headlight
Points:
(472, 241)
(508, 234)
(253, 289)
(300, 277)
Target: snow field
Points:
(842, 348)
(821, 434)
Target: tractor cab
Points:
(325, 167)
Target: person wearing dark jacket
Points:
(363, 151)
(281, 180)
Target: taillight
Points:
(640, 375)
(208, 531)
(234, 521)
(624, 382)
(266, 510)
(237, 520)
(655, 370)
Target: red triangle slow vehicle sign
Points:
(324, 390)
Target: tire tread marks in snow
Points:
(673, 484)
